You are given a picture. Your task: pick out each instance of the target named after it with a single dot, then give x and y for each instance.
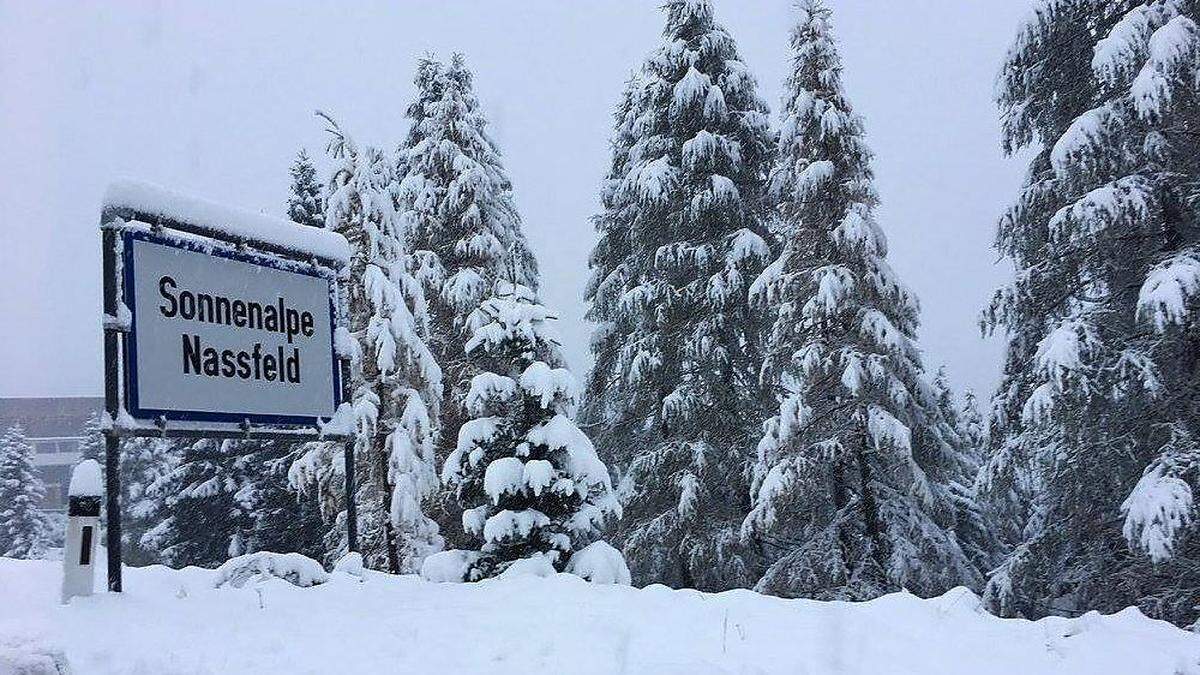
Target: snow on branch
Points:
(1167, 289)
(1117, 55)
(1158, 510)
(1086, 136)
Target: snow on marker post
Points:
(218, 323)
(83, 524)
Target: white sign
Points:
(226, 338)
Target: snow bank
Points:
(85, 480)
(293, 568)
(174, 621)
(236, 223)
(31, 658)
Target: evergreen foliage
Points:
(397, 381)
(204, 506)
(305, 203)
(528, 479)
(853, 490)
(1094, 454)
(282, 519)
(673, 399)
(146, 464)
(24, 529)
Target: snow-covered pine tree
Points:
(283, 519)
(973, 425)
(1095, 427)
(961, 425)
(851, 491)
(397, 387)
(24, 529)
(455, 200)
(305, 203)
(610, 277)
(674, 401)
(204, 510)
(528, 479)
(146, 464)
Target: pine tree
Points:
(205, 511)
(305, 204)
(455, 200)
(1094, 450)
(961, 426)
(146, 464)
(397, 383)
(673, 399)
(283, 519)
(317, 473)
(24, 529)
(528, 479)
(851, 492)
(973, 425)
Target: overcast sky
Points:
(215, 98)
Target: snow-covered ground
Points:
(174, 622)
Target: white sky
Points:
(215, 99)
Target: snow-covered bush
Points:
(293, 568)
(448, 566)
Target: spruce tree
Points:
(673, 399)
(852, 491)
(24, 529)
(462, 227)
(961, 426)
(317, 473)
(528, 479)
(146, 464)
(397, 386)
(305, 203)
(1094, 452)
(282, 519)
(205, 510)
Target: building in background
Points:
(55, 428)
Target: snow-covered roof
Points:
(155, 200)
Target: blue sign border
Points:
(130, 345)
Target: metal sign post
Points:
(257, 360)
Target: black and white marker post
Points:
(83, 523)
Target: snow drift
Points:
(174, 621)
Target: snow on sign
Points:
(222, 336)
